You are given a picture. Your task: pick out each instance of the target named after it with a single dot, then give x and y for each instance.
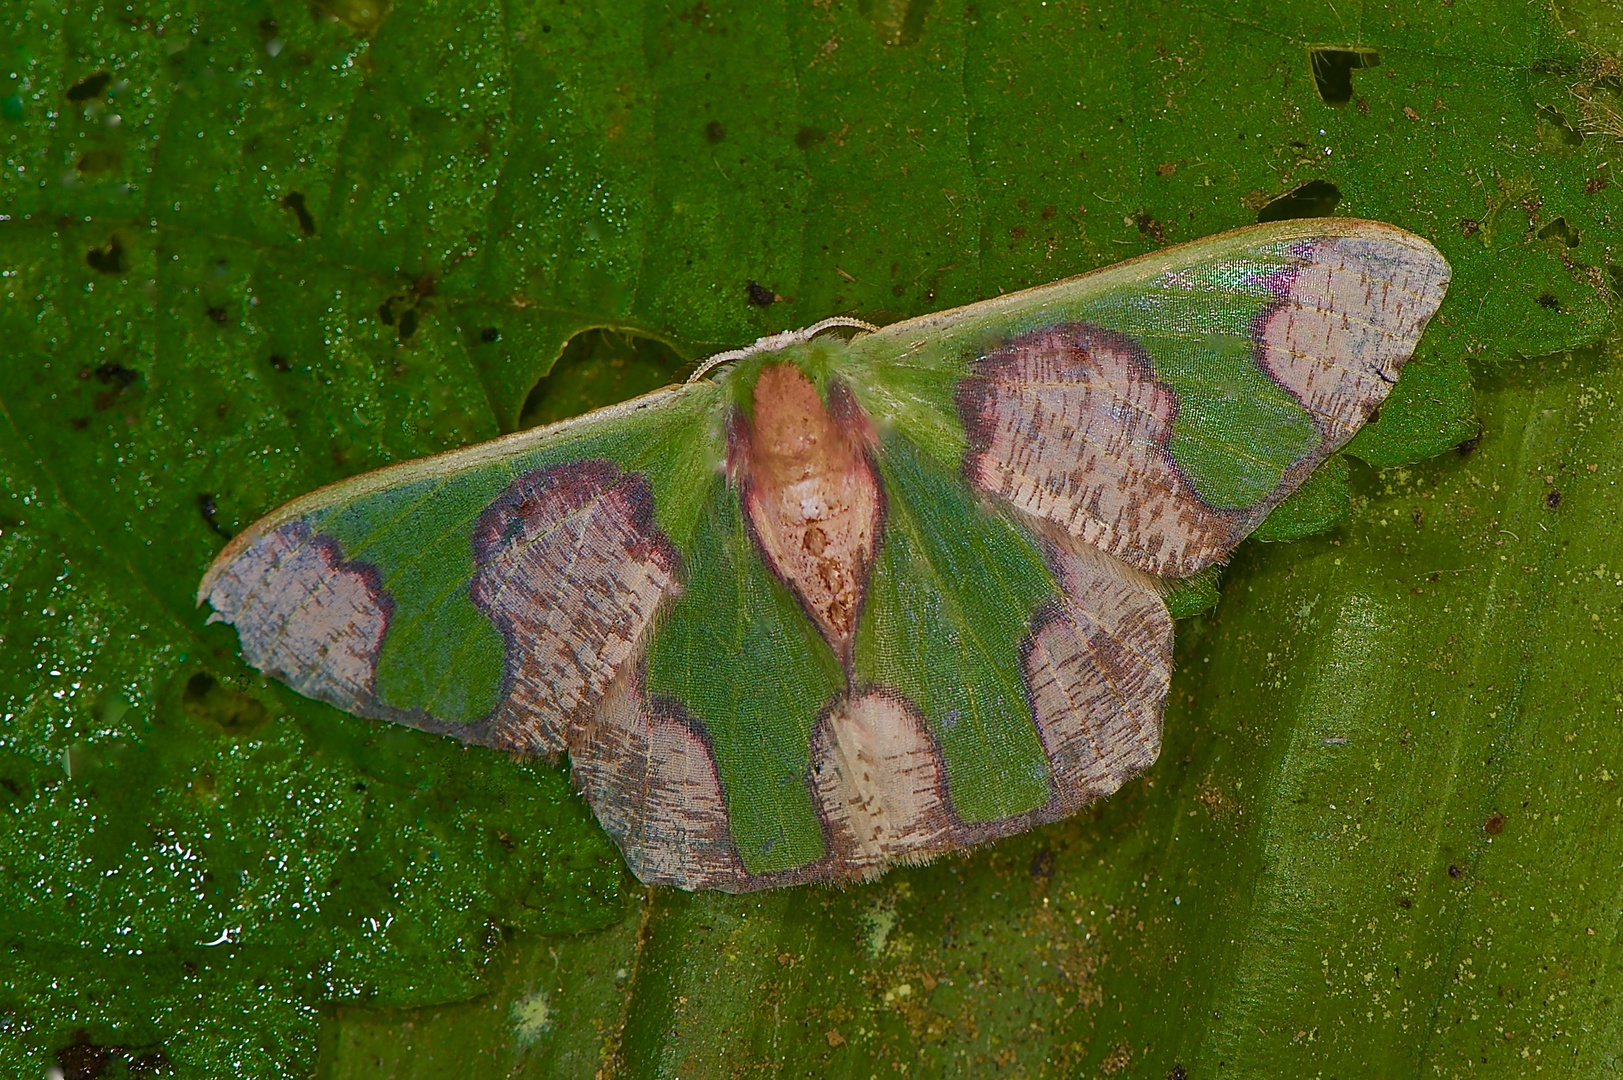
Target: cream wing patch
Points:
(879, 783)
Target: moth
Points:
(839, 603)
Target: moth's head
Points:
(779, 345)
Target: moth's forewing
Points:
(490, 593)
(851, 603)
(1158, 409)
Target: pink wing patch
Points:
(1348, 320)
(879, 783)
(652, 782)
(1068, 422)
(570, 569)
(1098, 667)
(306, 616)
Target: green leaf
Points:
(277, 268)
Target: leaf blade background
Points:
(537, 172)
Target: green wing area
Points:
(950, 602)
(408, 531)
(738, 654)
(441, 655)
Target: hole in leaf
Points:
(109, 259)
(232, 711)
(1316, 198)
(90, 86)
(1548, 302)
(294, 201)
(1560, 230)
(1333, 70)
(599, 367)
(1555, 131)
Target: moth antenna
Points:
(773, 342)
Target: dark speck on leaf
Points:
(386, 312)
(490, 334)
(1178, 1072)
(109, 259)
(210, 511)
(1494, 825)
(280, 362)
(1468, 447)
(760, 295)
(1455, 870)
(1552, 500)
(1548, 302)
(408, 324)
(217, 314)
(808, 137)
(714, 131)
(117, 375)
(1405, 903)
(423, 285)
(84, 1060)
(294, 201)
(98, 161)
(1042, 865)
(89, 87)
(1469, 227)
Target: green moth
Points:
(842, 603)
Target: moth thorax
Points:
(810, 494)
